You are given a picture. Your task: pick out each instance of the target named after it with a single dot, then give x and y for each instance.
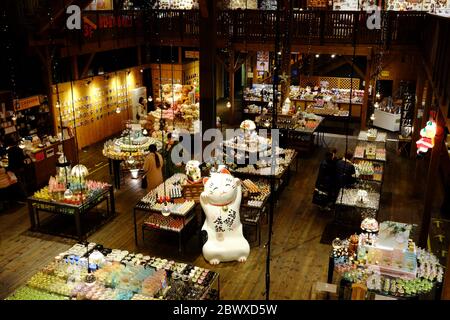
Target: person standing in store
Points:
(153, 165)
(345, 171)
(171, 167)
(324, 193)
(2, 148)
(141, 113)
(16, 164)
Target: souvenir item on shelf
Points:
(120, 275)
(221, 202)
(193, 172)
(353, 245)
(372, 134)
(362, 196)
(286, 106)
(82, 191)
(176, 4)
(249, 128)
(365, 168)
(370, 151)
(384, 266)
(369, 225)
(394, 234)
(133, 143)
(259, 92)
(250, 186)
(332, 95)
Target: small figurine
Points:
(193, 171)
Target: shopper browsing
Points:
(16, 165)
(153, 168)
(345, 171)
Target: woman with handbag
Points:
(153, 165)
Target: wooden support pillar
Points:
(231, 80)
(208, 43)
(365, 105)
(87, 65)
(428, 102)
(416, 121)
(286, 28)
(431, 179)
(254, 59)
(47, 79)
(446, 285)
(420, 166)
(180, 55)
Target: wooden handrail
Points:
(257, 26)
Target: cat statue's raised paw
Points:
(221, 200)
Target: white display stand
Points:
(386, 120)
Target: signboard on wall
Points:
(262, 61)
(26, 103)
(192, 54)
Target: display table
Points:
(349, 198)
(182, 210)
(256, 194)
(387, 120)
(119, 151)
(372, 135)
(387, 263)
(78, 211)
(370, 151)
(368, 170)
(119, 275)
(296, 131)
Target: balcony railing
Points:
(254, 26)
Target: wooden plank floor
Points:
(298, 257)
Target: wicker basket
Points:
(193, 191)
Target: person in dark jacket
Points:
(16, 164)
(2, 148)
(345, 171)
(324, 193)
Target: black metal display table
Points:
(251, 216)
(344, 288)
(114, 170)
(35, 206)
(281, 179)
(184, 221)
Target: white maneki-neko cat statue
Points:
(221, 200)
